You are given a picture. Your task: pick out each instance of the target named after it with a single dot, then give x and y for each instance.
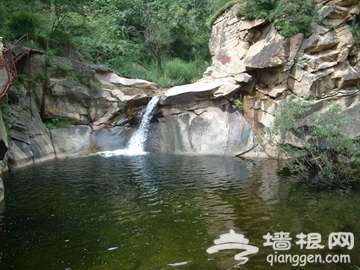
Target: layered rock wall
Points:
(320, 67)
(92, 100)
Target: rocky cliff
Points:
(254, 64)
(88, 100)
(269, 68)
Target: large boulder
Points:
(191, 92)
(93, 95)
(204, 90)
(210, 129)
(271, 50)
(110, 139)
(128, 87)
(30, 139)
(76, 102)
(71, 142)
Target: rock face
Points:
(76, 102)
(30, 140)
(88, 97)
(4, 145)
(1, 191)
(323, 66)
(210, 130)
(71, 142)
(110, 139)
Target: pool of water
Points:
(159, 211)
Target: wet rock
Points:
(30, 139)
(71, 142)
(110, 139)
(1, 191)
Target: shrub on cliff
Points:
(290, 17)
(326, 154)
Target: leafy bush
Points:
(22, 22)
(289, 16)
(181, 72)
(221, 10)
(256, 9)
(90, 81)
(41, 77)
(292, 17)
(6, 114)
(328, 157)
(174, 72)
(355, 30)
(237, 105)
(57, 123)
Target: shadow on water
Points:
(158, 211)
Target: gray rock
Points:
(110, 139)
(3, 138)
(1, 191)
(191, 92)
(20, 155)
(272, 51)
(71, 142)
(31, 142)
(207, 131)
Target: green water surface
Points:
(160, 211)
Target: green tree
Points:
(328, 155)
(157, 30)
(293, 16)
(60, 10)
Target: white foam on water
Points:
(137, 142)
(121, 152)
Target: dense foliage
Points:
(289, 16)
(138, 38)
(328, 155)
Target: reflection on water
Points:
(161, 212)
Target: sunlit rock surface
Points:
(210, 129)
(71, 142)
(322, 67)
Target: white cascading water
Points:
(137, 141)
(136, 145)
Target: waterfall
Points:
(136, 145)
(137, 141)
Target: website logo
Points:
(234, 240)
